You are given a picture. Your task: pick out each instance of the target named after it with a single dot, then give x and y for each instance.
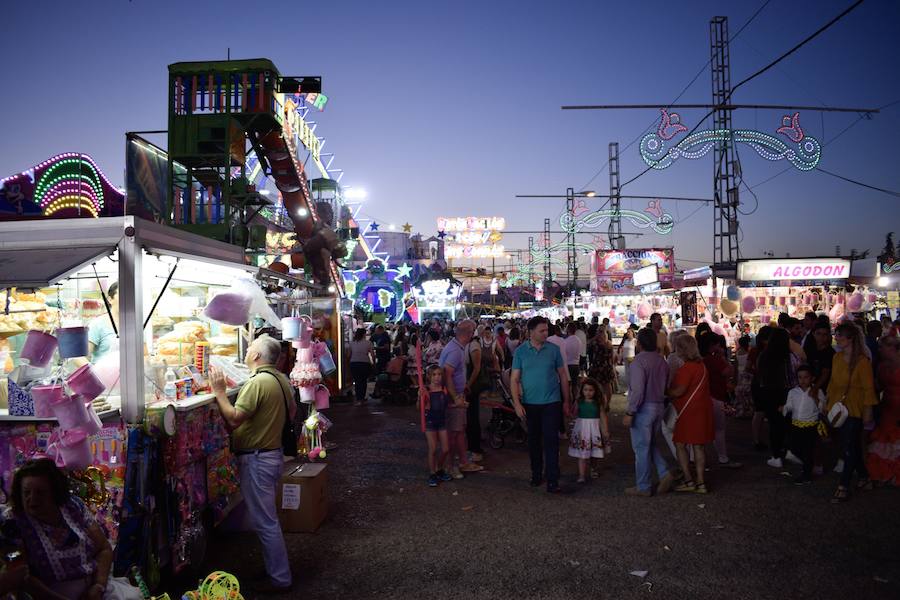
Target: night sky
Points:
(451, 109)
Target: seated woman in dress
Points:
(67, 553)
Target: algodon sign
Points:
(788, 269)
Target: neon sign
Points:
(791, 269)
(473, 251)
(471, 224)
(804, 154)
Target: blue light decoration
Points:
(378, 288)
(804, 153)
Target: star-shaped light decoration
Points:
(373, 226)
(407, 228)
(404, 270)
(442, 234)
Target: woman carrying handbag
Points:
(852, 384)
(694, 413)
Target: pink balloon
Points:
(855, 303)
(872, 298)
(748, 304)
(836, 311)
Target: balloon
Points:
(644, 311)
(855, 303)
(748, 304)
(732, 293)
(728, 307)
(872, 298)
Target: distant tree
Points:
(889, 252)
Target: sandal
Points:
(864, 484)
(841, 494)
(687, 486)
(701, 489)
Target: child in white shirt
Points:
(804, 410)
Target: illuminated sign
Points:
(646, 275)
(473, 251)
(437, 295)
(471, 224)
(615, 269)
(793, 269)
(698, 273)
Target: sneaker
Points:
(775, 462)
(442, 475)
(471, 468)
(476, 457)
(700, 488)
(433, 480)
(839, 467)
(455, 474)
(633, 491)
(793, 458)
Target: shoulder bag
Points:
(288, 435)
(672, 415)
(843, 401)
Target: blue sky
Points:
(447, 109)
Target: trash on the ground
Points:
(880, 579)
(401, 490)
(718, 527)
(701, 506)
(699, 533)
(640, 574)
(574, 563)
(469, 507)
(649, 585)
(666, 548)
(456, 493)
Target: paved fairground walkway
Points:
(491, 535)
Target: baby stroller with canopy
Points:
(504, 420)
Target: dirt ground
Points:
(756, 535)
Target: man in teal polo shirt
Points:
(542, 372)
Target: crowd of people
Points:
(823, 395)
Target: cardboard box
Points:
(301, 497)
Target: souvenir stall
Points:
(135, 422)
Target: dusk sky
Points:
(451, 109)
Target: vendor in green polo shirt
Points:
(542, 372)
(257, 419)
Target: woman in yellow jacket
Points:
(852, 383)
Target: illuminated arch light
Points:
(70, 190)
(67, 202)
(663, 224)
(804, 153)
(46, 186)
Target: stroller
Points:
(504, 420)
(392, 386)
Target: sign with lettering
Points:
(790, 269)
(615, 269)
(646, 275)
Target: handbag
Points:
(288, 435)
(843, 405)
(671, 417)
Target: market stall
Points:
(152, 433)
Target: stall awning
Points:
(42, 267)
